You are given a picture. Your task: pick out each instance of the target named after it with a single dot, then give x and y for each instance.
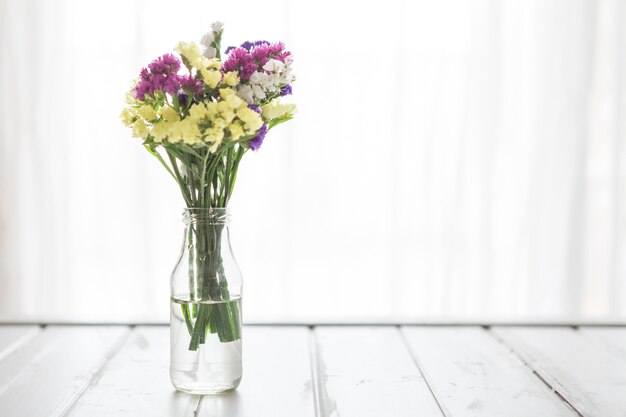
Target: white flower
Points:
(258, 92)
(260, 79)
(274, 65)
(287, 76)
(209, 52)
(217, 27)
(245, 92)
(207, 39)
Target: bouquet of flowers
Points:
(199, 114)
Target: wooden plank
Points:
(12, 336)
(48, 372)
(135, 382)
(473, 374)
(368, 371)
(591, 378)
(276, 379)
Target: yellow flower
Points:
(219, 123)
(211, 109)
(226, 111)
(231, 78)
(128, 116)
(214, 136)
(211, 77)
(230, 97)
(236, 130)
(130, 96)
(275, 110)
(198, 111)
(147, 112)
(190, 131)
(170, 114)
(160, 130)
(175, 134)
(186, 130)
(251, 119)
(190, 51)
(202, 62)
(140, 130)
(228, 115)
(214, 63)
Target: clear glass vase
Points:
(205, 311)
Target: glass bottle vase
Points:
(205, 310)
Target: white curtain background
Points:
(450, 160)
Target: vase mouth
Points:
(216, 215)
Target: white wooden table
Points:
(301, 371)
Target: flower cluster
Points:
(200, 101)
(264, 69)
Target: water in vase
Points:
(211, 365)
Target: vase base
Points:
(199, 388)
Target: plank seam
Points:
(531, 369)
(419, 367)
(315, 377)
(95, 376)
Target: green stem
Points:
(207, 182)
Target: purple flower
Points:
(168, 63)
(255, 142)
(161, 75)
(252, 56)
(247, 45)
(191, 85)
(286, 90)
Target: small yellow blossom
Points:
(190, 131)
(130, 98)
(214, 63)
(190, 51)
(160, 130)
(186, 130)
(130, 95)
(236, 130)
(231, 97)
(140, 130)
(251, 119)
(219, 123)
(211, 77)
(214, 136)
(128, 116)
(211, 109)
(226, 92)
(231, 78)
(226, 111)
(275, 110)
(198, 111)
(202, 62)
(147, 112)
(170, 114)
(228, 115)
(235, 102)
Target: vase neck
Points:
(207, 216)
